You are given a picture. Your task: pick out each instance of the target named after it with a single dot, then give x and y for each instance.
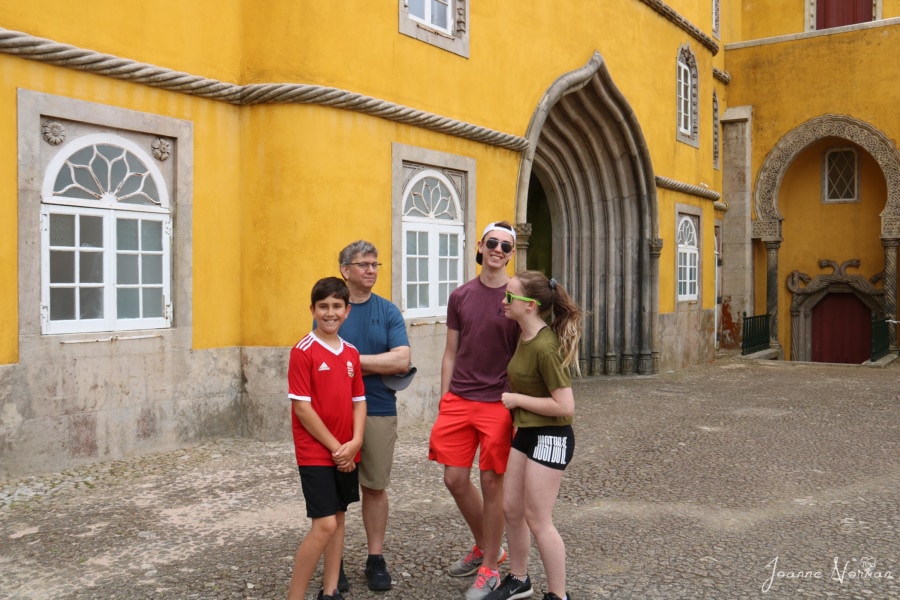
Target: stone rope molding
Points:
(669, 13)
(767, 225)
(43, 50)
(687, 188)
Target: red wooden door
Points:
(834, 13)
(841, 330)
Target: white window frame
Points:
(434, 228)
(687, 268)
(110, 209)
(687, 99)
(826, 178)
(454, 38)
(406, 162)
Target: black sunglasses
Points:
(492, 243)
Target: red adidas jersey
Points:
(332, 381)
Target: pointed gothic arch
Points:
(588, 152)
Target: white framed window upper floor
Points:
(433, 219)
(441, 23)
(106, 228)
(687, 99)
(688, 259)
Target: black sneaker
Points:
(552, 596)
(512, 589)
(343, 582)
(377, 575)
(336, 596)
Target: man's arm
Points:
(394, 361)
(448, 362)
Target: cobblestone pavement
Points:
(737, 480)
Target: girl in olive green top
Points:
(542, 403)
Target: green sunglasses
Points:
(510, 296)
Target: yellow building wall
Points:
(217, 207)
(324, 180)
(761, 19)
(301, 180)
(788, 83)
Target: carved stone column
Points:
(772, 292)
(890, 287)
(656, 246)
(523, 237)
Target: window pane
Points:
(127, 234)
(424, 295)
(439, 13)
(417, 8)
(90, 267)
(412, 298)
(90, 303)
(62, 304)
(423, 269)
(151, 269)
(127, 269)
(62, 230)
(411, 243)
(151, 236)
(153, 303)
(62, 267)
(128, 303)
(91, 232)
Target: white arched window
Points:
(432, 246)
(688, 259)
(105, 239)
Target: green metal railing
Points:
(881, 339)
(755, 334)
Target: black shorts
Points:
(550, 446)
(328, 491)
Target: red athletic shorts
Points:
(463, 426)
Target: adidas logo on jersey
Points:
(324, 367)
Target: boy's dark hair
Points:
(330, 286)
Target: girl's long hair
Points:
(565, 316)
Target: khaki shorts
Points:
(377, 453)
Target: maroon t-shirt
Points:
(487, 340)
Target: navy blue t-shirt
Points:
(376, 326)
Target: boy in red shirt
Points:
(328, 415)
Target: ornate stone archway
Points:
(809, 291)
(767, 226)
(587, 149)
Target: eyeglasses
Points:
(367, 265)
(510, 297)
(492, 243)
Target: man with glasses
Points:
(376, 327)
(480, 342)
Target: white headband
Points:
(495, 227)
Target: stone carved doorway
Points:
(808, 292)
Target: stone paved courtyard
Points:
(742, 479)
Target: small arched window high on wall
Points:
(105, 239)
(433, 244)
(688, 259)
(686, 77)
